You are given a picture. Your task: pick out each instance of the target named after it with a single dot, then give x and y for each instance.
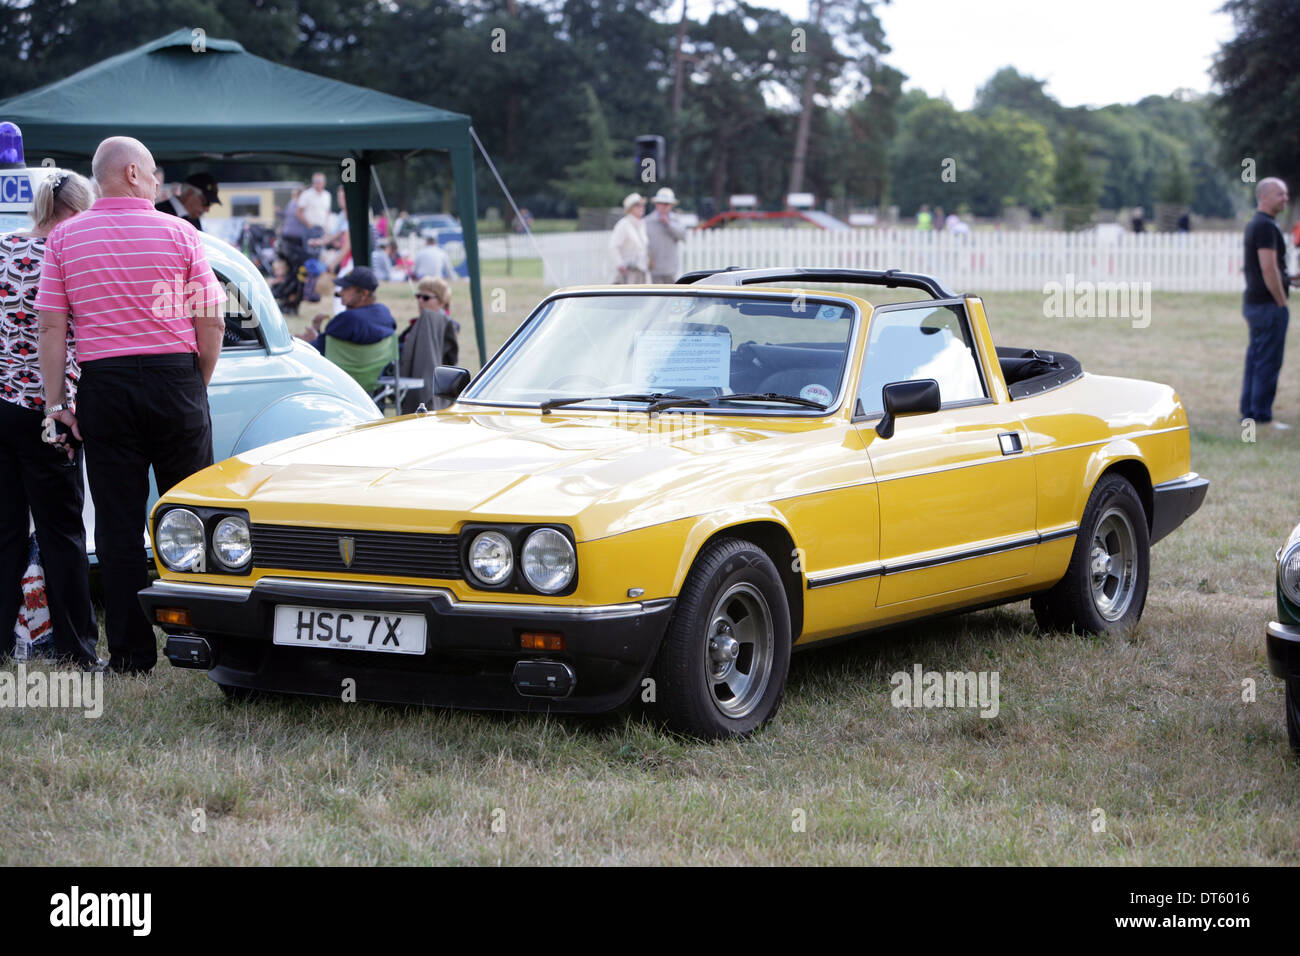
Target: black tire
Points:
(730, 635)
(1293, 713)
(1047, 613)
(1105, 585)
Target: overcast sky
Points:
(1091, 53)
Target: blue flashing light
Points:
(11, 146)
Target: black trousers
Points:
(40, 478)
(137, 412)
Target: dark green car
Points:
(1284, 633)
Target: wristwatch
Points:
(51, 409)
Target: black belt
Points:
(167, 360)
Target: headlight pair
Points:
(546, 558)
(180, 541)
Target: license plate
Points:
(348, 629)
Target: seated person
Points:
(363, 320)
(428, 342)
(401, 265)
(434, 298)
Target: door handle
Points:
(1010, 442)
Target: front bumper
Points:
(1283, 642)
(470, 656)
(1173, 502)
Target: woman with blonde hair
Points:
(430, 341)
(40, 462)
(439, 289)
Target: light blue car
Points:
(267, 384)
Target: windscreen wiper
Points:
(670, 401)
(771, 397)
(651, 399)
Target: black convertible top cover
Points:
(1032, 372)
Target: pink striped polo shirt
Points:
(129, 277)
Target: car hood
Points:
(603, 473)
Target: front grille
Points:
(404, 554)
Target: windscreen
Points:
(790, 348)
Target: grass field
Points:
(1149, 730)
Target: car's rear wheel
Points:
(1105, 585)
(721, 670)
(1293, 712)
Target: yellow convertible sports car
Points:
(659, 492)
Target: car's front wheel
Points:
(1105, 585)
(723, 664)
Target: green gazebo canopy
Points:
(189, 97)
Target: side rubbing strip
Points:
(843, 577)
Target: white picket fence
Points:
(981, 261)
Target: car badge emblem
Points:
(347, 550)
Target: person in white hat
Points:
(663, 232)
(627, 244)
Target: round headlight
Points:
(231, 542)
(548, 560)
(1288, 573)
(179, 540)
(491, 558)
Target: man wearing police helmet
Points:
(196, 196)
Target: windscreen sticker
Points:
(816, 393)
(832, 312)
(666, 360)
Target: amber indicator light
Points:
(541, 641)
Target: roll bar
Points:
(890, 279)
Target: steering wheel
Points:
(578, 381)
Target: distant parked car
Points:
(1283, 635)
(429, 225)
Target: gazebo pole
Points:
(357, 196)
(462, 171)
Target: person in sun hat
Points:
(663, 233)
(627, 244)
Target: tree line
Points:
(748, 99)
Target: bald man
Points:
(1265, 304)
(147, 312)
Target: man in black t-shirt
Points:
(1264, 304)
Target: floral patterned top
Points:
(20, 373)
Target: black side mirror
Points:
(906, 398)
(449, 381)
